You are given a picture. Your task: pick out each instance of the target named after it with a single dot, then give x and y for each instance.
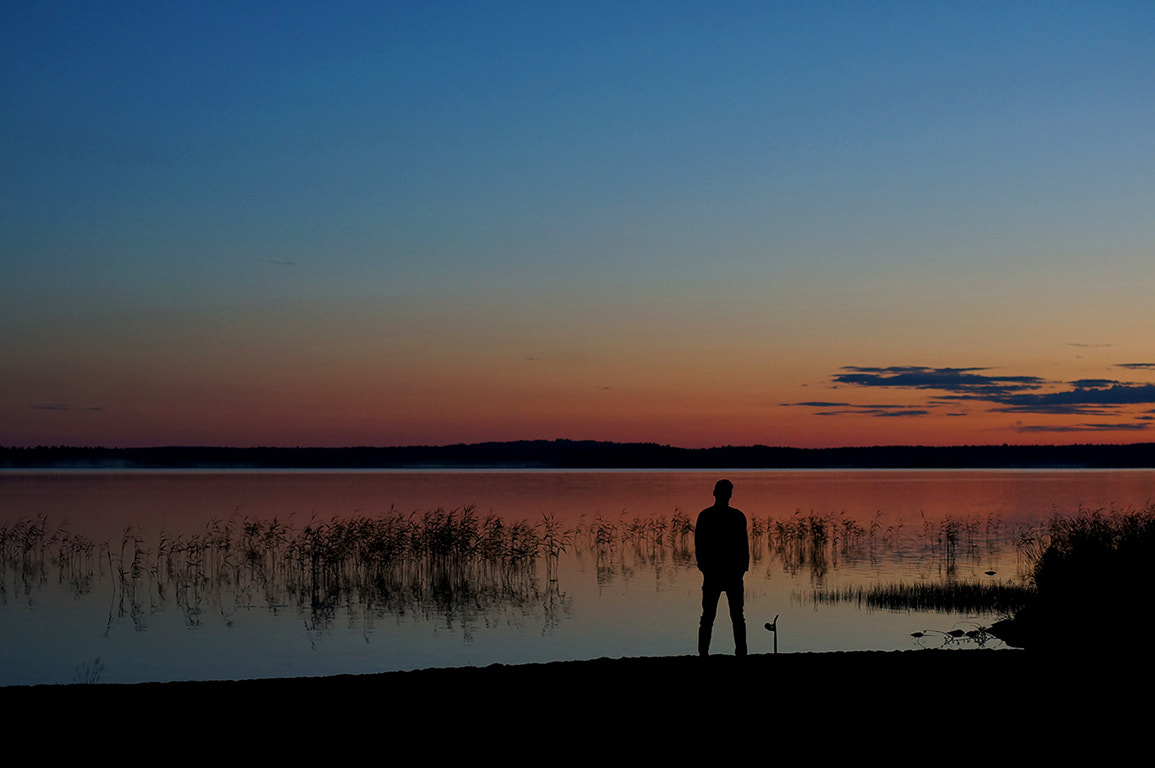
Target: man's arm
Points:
(745, 544)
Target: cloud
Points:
(1010, 393)
(1137, 366)
(1083, 428)
(1080, 397)
(1093, 383)
(946, 388)
(899, 412)
(877, 410)
(965, 381)
(61, 407)
(1054, 409)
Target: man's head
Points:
(723, 490)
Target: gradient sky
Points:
(384, 223)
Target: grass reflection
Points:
(956, 596)
(32, 549)
(446, 561)
(458, 564)
(449, 563)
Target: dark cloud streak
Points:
(1104, 398)
(965, 381)
(1028, 429)
(877, 410)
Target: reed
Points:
(444, 558)
(89, 674)
(31, 549)
(623, 545)
(1094, 555)
(809, 540)
(954, 596)
(458, 561)
(1090, 571)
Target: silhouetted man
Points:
(723, 550)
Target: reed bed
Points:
(440, 561)
(962, 597)
(816, 542)
(1096, 558)
(32, 549)
(463, 566)
(653, 532)
(456, 562)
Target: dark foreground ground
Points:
(988, 706)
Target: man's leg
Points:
(736, 599)
(710, 595)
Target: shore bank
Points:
(919, 696)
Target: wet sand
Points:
(835, 703)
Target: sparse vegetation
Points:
(30, 548)
(461, 560)
(455, 562)
(89, 674)
(462, 563)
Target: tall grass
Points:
(1091, 572)
(456, 562)
(31, 549)
(817, 542)
(963, 597)
(1108, 550)
(622, 546)
(437, 561)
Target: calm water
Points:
(620, 597)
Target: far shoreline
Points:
(584, 454)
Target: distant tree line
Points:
(585, 454)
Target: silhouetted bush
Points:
(1096, 556)
(1091, 574)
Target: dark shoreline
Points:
(1012, 703)
(890, 677)
(506, 684)
(585, 454)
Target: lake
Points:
(172, 588)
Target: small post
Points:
(773, 627)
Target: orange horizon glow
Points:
(808, 227)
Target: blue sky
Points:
(296, 223)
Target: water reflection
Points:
(32, 553)
(553, 575)
(452, 565)
(456, 566)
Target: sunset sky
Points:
(390, 223)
